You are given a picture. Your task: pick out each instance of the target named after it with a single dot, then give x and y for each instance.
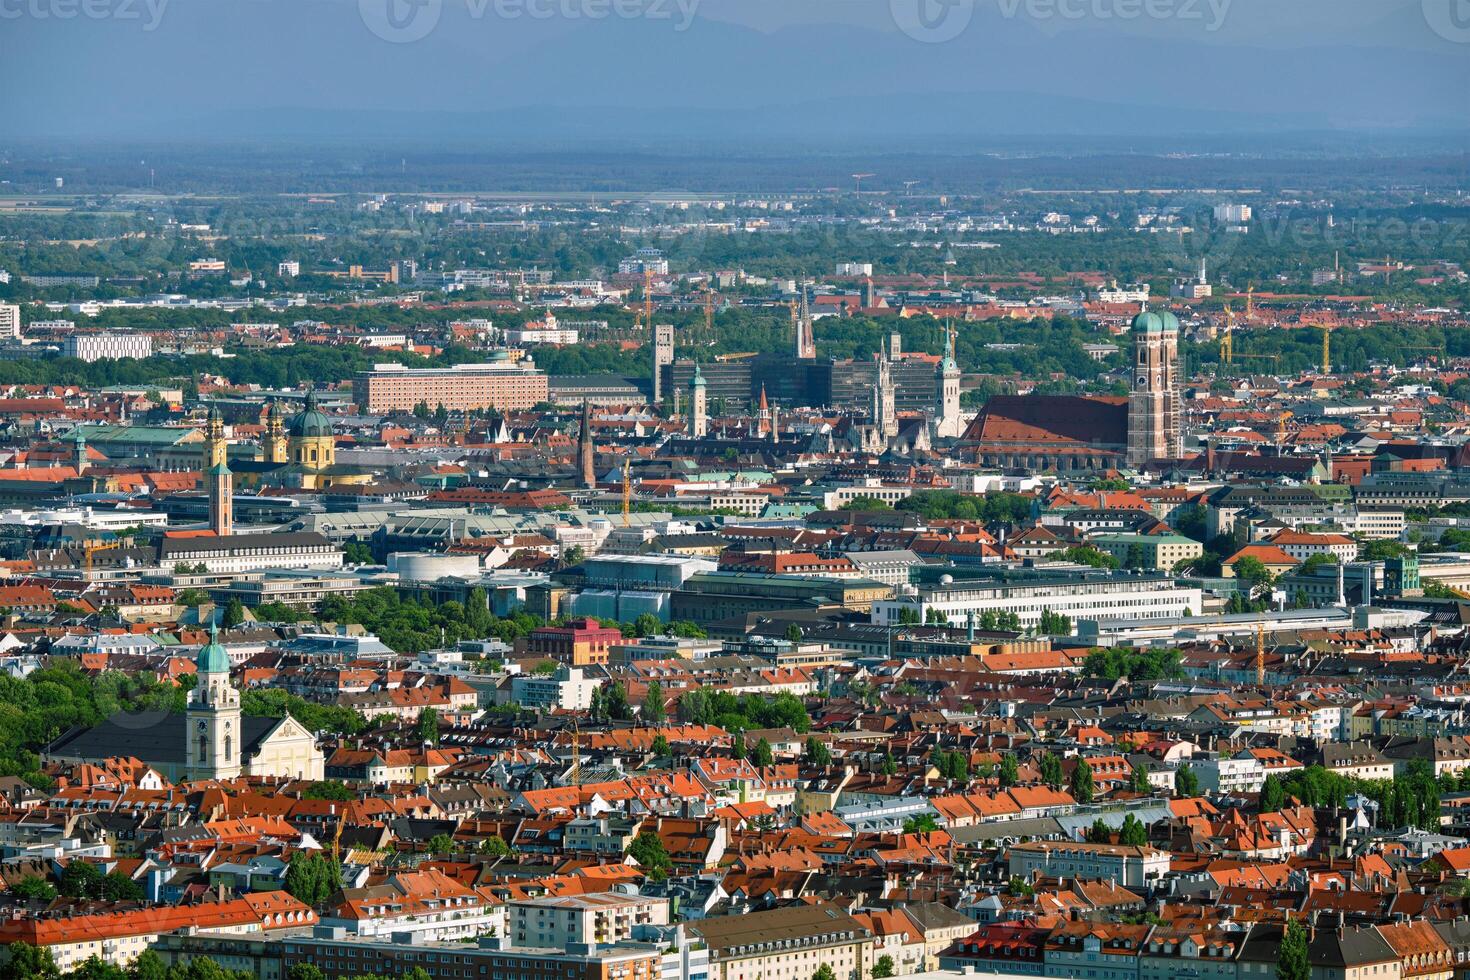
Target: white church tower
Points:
(949, 425)
(212, 743)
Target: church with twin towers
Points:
(893, 390)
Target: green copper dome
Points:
(212, 659)
(1171, 322)
(1149, 322)
(311, 423)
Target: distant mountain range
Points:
(262, 69)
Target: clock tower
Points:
(212, 742)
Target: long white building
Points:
(1091, 594)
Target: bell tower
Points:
(212, 737)
(1154, 429)
(949, 424)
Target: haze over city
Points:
(734, 490)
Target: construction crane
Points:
(627, 491)
(1326, 349)
(88, 550)
(1261, 652)
(908, 187)
(1227, 342)
(576, 753)
(709, 315)
(858, 179)
(648, 298)
(1250, 302)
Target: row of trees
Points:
(27, 962)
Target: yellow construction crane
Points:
(1250, 302)
(1273, 358)
(709, 315)
(1261, 652)
(88, 550)
(648, 298)
(627, 491)
(576, 753)
(1227, 341)
(1326, 349)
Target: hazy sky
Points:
(815, 69)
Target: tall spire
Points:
(806, 343)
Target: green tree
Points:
(1009, 773)
(495, 846)
(1088, 555)
(650, 854)
(654, 711)
(1082, 786)
(883, 968)
(35, 888)
(118, 887)
(329, 789)
(1133, 833)
(312, 878)
(148, 966)
(305, 971)
(1051, 770)
(1099, 832)
(234, 614)
(81, 879)
(357, 553)
(1253, 572)
(616, 701)
(817, 753)
(1273, 797)
(1186, 783)
(1138, 781)
(889, 766)
(924, 823)
(793, 633)
(661, 746)
(824, 972)
(27, 962)
(1291, 959)
(441, 844)
(738, 750)
(428, 726)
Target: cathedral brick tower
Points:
(1154, 411)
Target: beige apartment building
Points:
(463, 387)
(786, 944)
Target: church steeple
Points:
(212, 736)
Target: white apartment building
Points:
(1093, 595)
(9, 321)
(597, 919)
(1127, 865)
(1228, 775)
(91, 347)
(568, 688)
